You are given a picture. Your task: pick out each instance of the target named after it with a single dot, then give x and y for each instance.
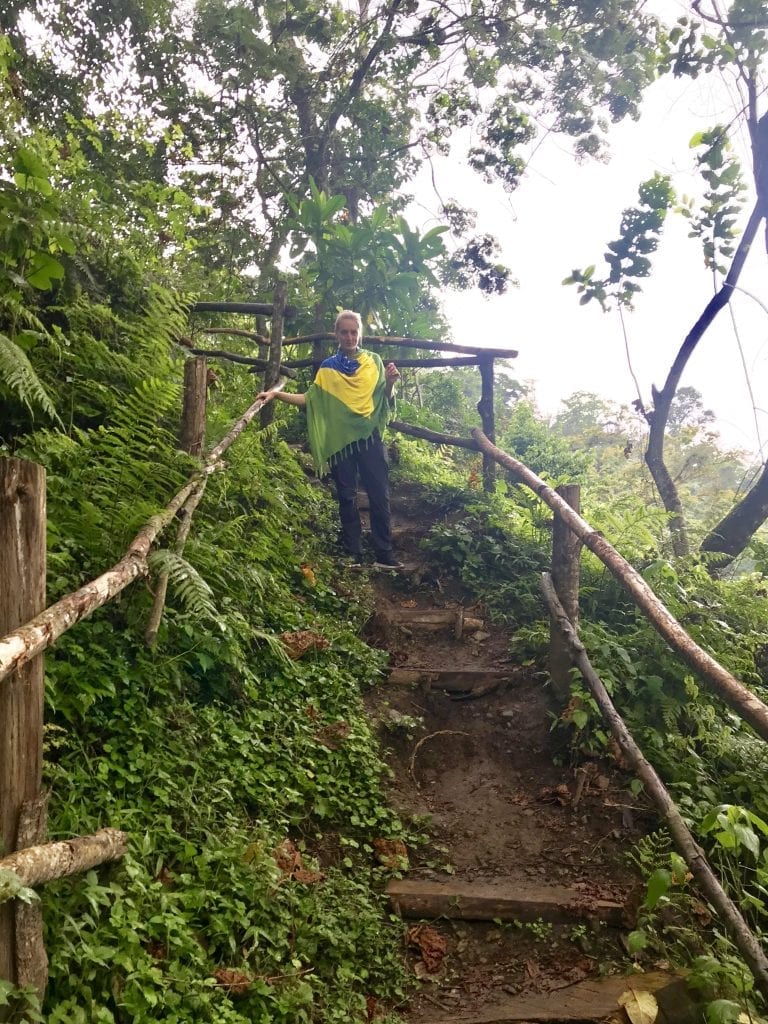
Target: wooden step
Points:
(429, 619)
(471, 681)
(504, 901)
(586, 1002)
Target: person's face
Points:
(347, 335)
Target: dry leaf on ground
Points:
(392, 853)
(333, 735)
(235, 982)
(640, 1007)
(287, 857)
(430, 944)
(297, 644)
(289, 861)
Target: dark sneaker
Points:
(388, 562)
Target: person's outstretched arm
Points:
(283, 396)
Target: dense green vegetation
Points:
(128, 187)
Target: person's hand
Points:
(391, 374)
(265, 396)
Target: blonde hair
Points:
(348, 314)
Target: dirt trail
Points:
(509, 811)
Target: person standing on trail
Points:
(348, 405)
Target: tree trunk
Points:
(22, 596)
(662, 400)
(734, 531)
(31, 958)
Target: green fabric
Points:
(335, 429)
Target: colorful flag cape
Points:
(346, 403)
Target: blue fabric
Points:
(342, 363)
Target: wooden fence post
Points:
(566, 547)
(274, 359)
(485, 408)
(22, 596)
(192, 436)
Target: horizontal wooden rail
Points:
(735, 694)
(236, 332)
(35, 636)
(687, 846)
(298, 364)
(255, 308)
(36, 865)
(428, 343)
(235, 357)
(434, 436)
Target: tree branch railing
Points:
(27, 641)
(689, 849)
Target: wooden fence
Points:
(270, 358)
(26, 631)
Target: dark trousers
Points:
(370, 462)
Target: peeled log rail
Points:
(735, 694)
(39, 864)
(439, 346)
(35, 636)
(689, 849)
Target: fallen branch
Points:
(687, 846)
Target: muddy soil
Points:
(505, 799)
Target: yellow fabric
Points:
(355, 392)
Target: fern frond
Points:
(14, 312)
(194, 593)
(17, 373)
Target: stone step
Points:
(504, 901)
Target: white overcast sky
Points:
(561, 218)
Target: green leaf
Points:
(722, 1011)
(636, 941)
(44, 269)
(29, 163)
(658, 886)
